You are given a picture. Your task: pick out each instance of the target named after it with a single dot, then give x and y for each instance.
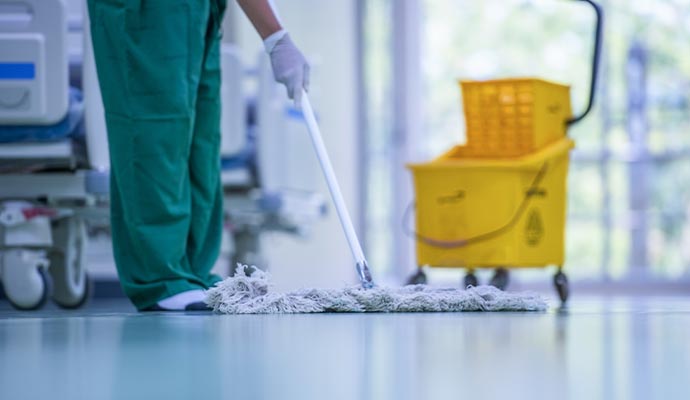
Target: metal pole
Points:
(604, 156)
(362, 107)
(638, 174)
(407, 118)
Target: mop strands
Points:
(242, 294)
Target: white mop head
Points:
(242, 294)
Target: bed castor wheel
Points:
(27, 301)
(471, 280)
(500, 279)
(562, 287)
(419, 278)
(71, 300)
(71, 283)
(26, 282)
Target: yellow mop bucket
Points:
(492, 213)
(500, 200)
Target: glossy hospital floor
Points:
(601, 348)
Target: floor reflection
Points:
(596, 349)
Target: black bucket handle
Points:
(596, 60)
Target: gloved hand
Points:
(289, 67)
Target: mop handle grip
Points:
(334, 188)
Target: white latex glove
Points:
(289, 65)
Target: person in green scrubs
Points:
(158, 64)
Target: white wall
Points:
(326, 33)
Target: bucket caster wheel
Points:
(562, 287)
(419, 278)
(471, 280)
(500, 279)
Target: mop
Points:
(251, 293)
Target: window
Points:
(629, 185)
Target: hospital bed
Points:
(54, 166)
(44, 177)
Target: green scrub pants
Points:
(158, 64)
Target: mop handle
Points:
(334, 188)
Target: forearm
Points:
(261, 15)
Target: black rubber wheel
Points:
(47, 290)
(562, 286)
(471, 280)
(500, 279)
(419, 278)
(68, 261)
(85, 297)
